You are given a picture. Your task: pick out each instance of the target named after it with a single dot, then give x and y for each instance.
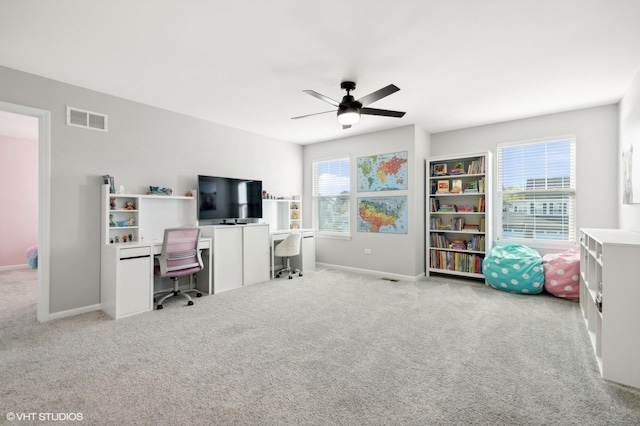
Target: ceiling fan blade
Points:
(385, 112)
(322, 97)
(378, 94)
(309, 115)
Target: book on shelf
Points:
(443, 187)
(457, 223)
(472, 186)
(434, 204)
(458, 245)
(458, 168)
(471, 227)
(439, 169)
(463, 208)
(448, 208)
(481, 204)
(482, 224)
(456, 186)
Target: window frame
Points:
(315, 198)
(533, 204)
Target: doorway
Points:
(44, 213)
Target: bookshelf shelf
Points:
(458, 197)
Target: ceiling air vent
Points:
(87, 119)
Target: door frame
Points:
(44, 201)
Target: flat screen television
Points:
(228, 200)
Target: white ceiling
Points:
(244, 63)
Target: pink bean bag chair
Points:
(562, 274)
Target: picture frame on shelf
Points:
(456, 186)
(443, 187)
(440, 169)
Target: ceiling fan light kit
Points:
(350, 109)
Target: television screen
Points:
(222, 198)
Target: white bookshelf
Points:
(458, 218)
(282, 214)
(609, 300)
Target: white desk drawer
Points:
(128, 253)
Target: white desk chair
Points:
(288, 248)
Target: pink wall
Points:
(19, 195)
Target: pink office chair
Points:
(180, 257)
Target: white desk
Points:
(128, 280)
(307, 258)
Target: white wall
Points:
(596, 132)
(630, 132)
(144, 146)
(392, 254)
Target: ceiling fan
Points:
(350, 109)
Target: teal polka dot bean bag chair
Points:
(514, 268)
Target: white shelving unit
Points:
(458, 214)
(282, 214)
(148, 218)
(609, 299)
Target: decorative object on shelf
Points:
(122, 223)
(120, 190)
(130, 237)
(383, 172)
(130, 206)
(131, 221)
(191, 193)
(456, 186)
(156, 190)
(117, 239)
(111, 222)
(112, 203)
(386, 215)
(458, 168)
(124, 238)
(439, 169)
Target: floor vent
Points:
(87, 119)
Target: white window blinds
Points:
(331, 196)
(536, 189)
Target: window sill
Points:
(331, 236)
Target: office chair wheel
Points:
(198, 294)
(158, 307)
(290, 277)
(300, 274)
(190, 302)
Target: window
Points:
(537, 190)
(331, 199)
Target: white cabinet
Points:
(282, 214)
(126, 280)
(227, 257)
(255, 243)
(610, 301)
(459, 217)
(240, 255)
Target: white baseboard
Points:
(72, 312)
(11, 267)
(380, 274)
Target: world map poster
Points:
(384, 172)
(382, 214)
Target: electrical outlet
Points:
(367, 251)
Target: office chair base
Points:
(177, 292)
